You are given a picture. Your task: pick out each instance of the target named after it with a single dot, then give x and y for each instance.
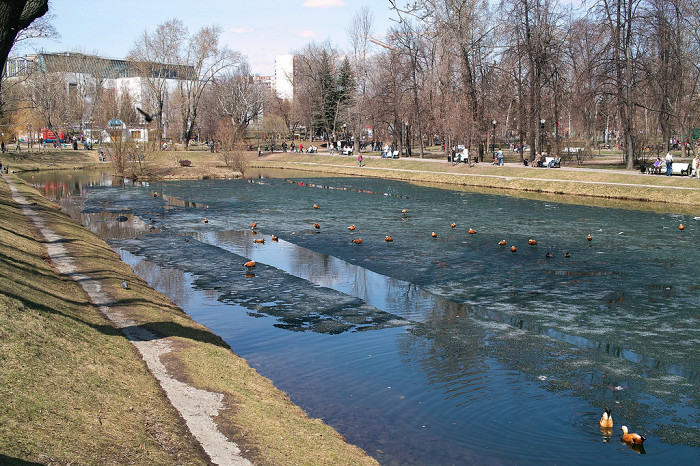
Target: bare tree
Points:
(240, 100)
(207, 60)
(15, 16)
(359, 32)
(156, 56)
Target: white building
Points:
(285, 72)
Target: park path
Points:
(197, 407)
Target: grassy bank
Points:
(159, 165)
(75, 390)
(682, 192)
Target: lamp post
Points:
(542, 122)
(493, 145)
(408, 140)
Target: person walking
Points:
(499, 157)
(669, 164)
(696, 166)
(359, 159)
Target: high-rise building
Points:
(285, 72)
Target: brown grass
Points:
(74, 390)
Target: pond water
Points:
(432, 350)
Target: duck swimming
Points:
(472, 231)
(502, 242)
(388, 239)
(351, 227)
(453, 224)
(357, 241)
(606, 421)
(532, 242)
(317, 226)
(433, 234)
(249, 264)
(632, 438)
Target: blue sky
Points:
(260, 29)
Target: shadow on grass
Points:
(158, 330)
(10, 461)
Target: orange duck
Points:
(606, 421)
(589, 238)
(259, 241)
(357, 241)
(250, 264)
(316, 207)
(317, 226)
(388, 239)
(532, 242)
(631, 438)
(453, 224)
(255, 224)
(502, 242)
(513, 249)
(351, 227)
(472, 231)
(274, 238)
(433, 234)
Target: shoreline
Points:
(674, 193)
(51, 263)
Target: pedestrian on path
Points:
(696, 166)
(359, 159)
(669, 164)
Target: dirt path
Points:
(197, 407)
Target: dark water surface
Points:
(447, 350)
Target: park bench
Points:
(185, 163)
(554, 165)
(678, 168)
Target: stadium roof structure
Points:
(109, 68)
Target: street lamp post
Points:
(542, 122)
(408, 140)
(493, 146)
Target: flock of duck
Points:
(606, 421)
(606, 424)
(389, 239)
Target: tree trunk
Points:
(16, 15)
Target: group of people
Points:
(668, 161)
